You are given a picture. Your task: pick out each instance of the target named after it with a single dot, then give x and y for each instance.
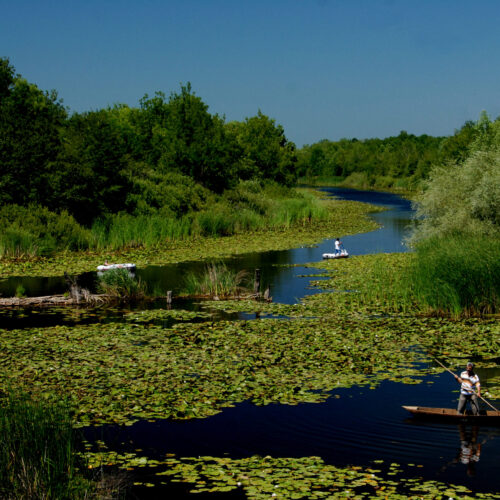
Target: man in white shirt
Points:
(338, 246)
(470, 389)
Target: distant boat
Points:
(451, 415)
(342, 255)
(107, 267)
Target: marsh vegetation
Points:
(169, 182)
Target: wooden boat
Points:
(451, 415)
(107, 267)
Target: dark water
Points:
(361, 426)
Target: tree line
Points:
(400, 161)
(164, 154)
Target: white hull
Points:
(335, 255)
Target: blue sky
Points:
(324, 69)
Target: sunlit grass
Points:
(217, 281)
(121, 284)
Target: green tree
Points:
(192, 141)
(90, 174)
(266, 151)
(30, 124)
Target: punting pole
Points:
(455, 375)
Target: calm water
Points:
(288, 284)
(361, 426)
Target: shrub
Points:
(35, 230)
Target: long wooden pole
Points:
(455, 375)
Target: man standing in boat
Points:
(338, 246)
(470, 389)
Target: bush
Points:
(462, 197)
(35, 230)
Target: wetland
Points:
(297, 398)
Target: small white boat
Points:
(342, 255)
(107, 267)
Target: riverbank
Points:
(344, 217)
(404, 190)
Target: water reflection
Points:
(470, 447)
(469, 452)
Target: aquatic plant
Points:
(217, 281)
(343, 217)
(287, 478)
(458, 274)
(38, 451)
(121, 284)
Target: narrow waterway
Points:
(288, 284)
(357, 426)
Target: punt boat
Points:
(450, 414)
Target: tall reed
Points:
(216, 281)
(121, 284)
(38, 451)
(458, 274)
(127, 231)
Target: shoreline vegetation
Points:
(337, 217)
(168, 182)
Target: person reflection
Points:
(470, 448)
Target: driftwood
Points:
(53, 300)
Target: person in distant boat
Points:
(470, 389)
(338, 246)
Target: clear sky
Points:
(324, 69)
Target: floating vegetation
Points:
(125, 372)
(287, 478)
(159, 315)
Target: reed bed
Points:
(458, 274)
(217, 281)
(34, 231)
(38, 451)
(122, 285)
(454, 275)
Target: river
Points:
(356, 427)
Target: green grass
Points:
(122, 285)
(451, 275)
(458, 274)
(38, 458)
(216, 281)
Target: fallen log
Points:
(52, 300)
